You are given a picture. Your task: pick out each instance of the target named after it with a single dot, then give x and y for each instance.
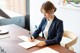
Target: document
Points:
(23, 37)
(46, 50)
(27, 44)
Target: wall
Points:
(71, 18)
(35, 14)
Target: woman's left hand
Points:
(41, 44)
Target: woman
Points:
(51, 27)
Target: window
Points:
(18, 6)
(2, 4)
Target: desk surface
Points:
(10, 44)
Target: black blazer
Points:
(55, 31)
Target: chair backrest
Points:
(71, 36)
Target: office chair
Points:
(68, 39)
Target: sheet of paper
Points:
(27, 44)
(23, 37)
(46, 50)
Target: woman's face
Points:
(47, 15)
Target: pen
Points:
(30, 34)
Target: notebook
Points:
(27, 44)
(45, 50)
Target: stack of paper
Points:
(27, 44)
(46, 50)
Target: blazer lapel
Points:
(51, 26)
(44, 26)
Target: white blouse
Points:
(47, 28)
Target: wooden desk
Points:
(10, 45)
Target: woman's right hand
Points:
(31, 38)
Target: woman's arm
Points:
(39, 29)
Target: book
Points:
(45, 50)
(27, 44)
